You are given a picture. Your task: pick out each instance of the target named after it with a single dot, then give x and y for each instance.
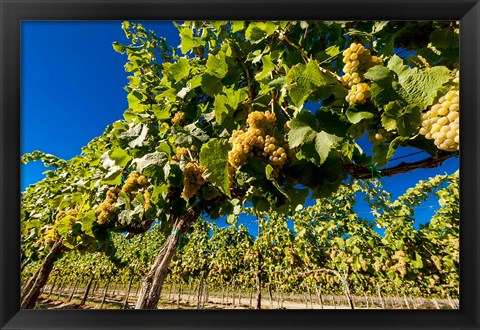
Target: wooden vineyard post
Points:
(170, 289)
(94, 287)
(85, 296)
(105, 294)
(207, 293)
(189, 292)
(406, 301)
(318, 290)
(125, 302)
(379, 287)
(251, 297)
(199, 292)
(310, 296)
(53, 285)
(269, 286)
(233, 293)
(179, 297)
(73, 291)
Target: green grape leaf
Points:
(179, 70)
(113, 176)
(64, 226)
(267, 67)
(332, 50)
(188, 41)
(258, 31)
(118, 47)
(226, 104)
(383, 152)
(135, 102)
(445, 39)
(383, 93)
(389, 117)
(217, 65)
(189, 135)
(278, 82)
(213, 156)
(296, 199)
(356, 113)
(268, 171)
(393, 146)
(303, 79)
(153, 164)
(380, 152)
(138, 141)
(87, 219)
(417, 86)
(211, 84)
(409, 121)
(209, 192)
(238, 26)
(260, 203)
(417, 263)
(315, 143)
(120, 157)
(161, 113)
(378, 73)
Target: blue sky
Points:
(72, 88)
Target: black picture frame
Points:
(12, 12)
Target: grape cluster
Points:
(359, 93)
(257, 140)
(192, 179)
(457, 77)
(147, 197)
(52, 234)
(134, 183)
(345, 257)
(378, 266)
(378, 136)
(441, 122)
(401, 265)
(262, 120)
(179, 118)
(106, 211)
(357, 61)
(434, 279)
(437, 261)
(183, 152)
(363, 264)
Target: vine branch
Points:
(361, 172)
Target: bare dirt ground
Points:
(170, 301)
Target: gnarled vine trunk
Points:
(31, 290)
(151, 286)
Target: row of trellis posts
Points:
(198, 293)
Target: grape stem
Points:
(190, 155)
(274, 101)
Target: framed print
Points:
(242, 164)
